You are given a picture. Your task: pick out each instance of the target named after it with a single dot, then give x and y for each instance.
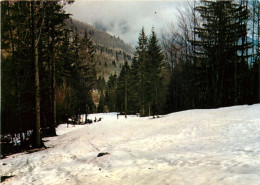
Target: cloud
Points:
(125, 18)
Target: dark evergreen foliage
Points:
(47, 71)
(221, 60)
(210, 58)
(110, 95)
(123, 89)
(141, 86)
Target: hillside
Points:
(111, 52)
(100, 37)
(214, 146)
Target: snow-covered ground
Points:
(216, 146)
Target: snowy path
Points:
(217, 146)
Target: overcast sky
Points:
(126, 18)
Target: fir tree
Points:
(101, 106)
(154, 77)
(138, 74)
(32, 33)
(220, 42)
(123, 86)
(110, 95)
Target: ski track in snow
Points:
(213, 146)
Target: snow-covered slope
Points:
(216, 146)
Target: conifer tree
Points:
(123, 86)
(138, 74)
(154, 77)
(101, 107)
(33, 31)
(220, 40)
(110, 95)
(83, 74)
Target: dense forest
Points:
(209, 59)
(47, 70)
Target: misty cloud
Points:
(100, 26)
(124, 27)
(125, 19)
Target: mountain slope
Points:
(111, 52)
(100, 37)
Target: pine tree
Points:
(220, 42)
(101, 106)
(154, 77)
(32, 29)
(65, 91)
(15, 68)
(138, 74)
(110, 95)
(123, 86)
(83, 75)
(53, 30)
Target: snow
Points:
(213, 146)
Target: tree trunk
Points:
(125, 91)
(259, 82)
(37, 98)
(19, 79)
(253, 36)
(235, 85)
(258, 43)
(37, 80)
(53, 85)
